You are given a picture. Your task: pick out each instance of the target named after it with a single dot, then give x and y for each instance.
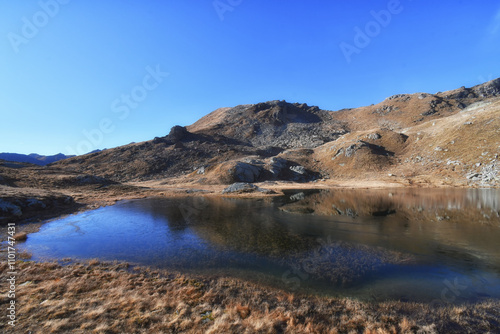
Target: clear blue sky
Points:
(70, 67)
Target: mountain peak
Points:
(271, 123)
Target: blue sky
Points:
(81, 75)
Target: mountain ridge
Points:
(274, 140)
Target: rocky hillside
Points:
(450, 138)
(274, 123)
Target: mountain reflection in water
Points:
(372, 244)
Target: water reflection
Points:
(452, 226)
(361, 243)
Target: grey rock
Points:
(488, 89)
(351, 213)
(340, 212)
(10, 208)
(266, 191)
(244, 172)
(243, 187)
(374, 136)
(402, 97)
(384, 110)
(349, 151)
(472, 176)
(298, 196)
(252, 161)
(488, 176)
(298, 169)
(276, 165)
(429, 112)
(434, 103)
(201, 170)
(159, 140)
(177, 133)
(240, 187)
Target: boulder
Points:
(298, 197)
(245, 172)
(240, 187)
(298, 169)
(373, 136)
(243, 187)
(276, 165)
(177, 133)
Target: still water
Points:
(431, 245)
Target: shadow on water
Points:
(405, 244)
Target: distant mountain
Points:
(34, 158)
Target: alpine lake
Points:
(437, 246)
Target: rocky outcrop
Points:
(488, 89)
(22, 203)
(177, 133)
(255, 169)
(242, 187)
(245, 172)
(488, 176)
(273, 123)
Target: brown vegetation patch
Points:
(109, 298)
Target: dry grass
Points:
(110, 298)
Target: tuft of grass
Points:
(243, 311)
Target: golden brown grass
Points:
(110, 298)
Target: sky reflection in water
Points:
(407, 244)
